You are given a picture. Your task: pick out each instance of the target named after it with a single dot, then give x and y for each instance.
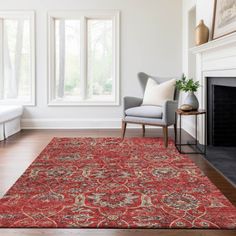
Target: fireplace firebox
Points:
(221, 109)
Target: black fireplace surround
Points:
(221, 109)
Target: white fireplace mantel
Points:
(214, 44)
(216, 58)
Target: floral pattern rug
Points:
(114, 183)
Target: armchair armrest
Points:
(130, 102)
(169, 109)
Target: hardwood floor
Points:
(18, 152)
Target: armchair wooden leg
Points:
(124, 124)
(143, 126)
(165, 133)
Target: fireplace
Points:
(215, 61)
(221, 109)
(216, 71)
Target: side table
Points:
(179, 144)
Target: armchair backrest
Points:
(143, 78)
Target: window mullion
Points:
(83, 57)
(33, 56)
(18, 58)
(62, 35)
(52, 49)
(1, 61)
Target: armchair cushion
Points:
(156, 94)
(145, 111)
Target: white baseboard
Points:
(75, 124)
(70, 123)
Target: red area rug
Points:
(114, 183)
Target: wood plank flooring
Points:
(18, 152)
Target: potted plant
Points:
(190, 86)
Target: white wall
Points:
(187, 6)
(151, 40)
(204, 10)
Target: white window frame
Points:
(18, 15)
(114, 15)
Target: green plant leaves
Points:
(187, 85)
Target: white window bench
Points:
(9, 120)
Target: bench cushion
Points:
(145, 111)
(8, 112)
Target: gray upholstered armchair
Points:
(163, 116)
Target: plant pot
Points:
(192, 100)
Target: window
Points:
(17, 74)
(84, 58)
